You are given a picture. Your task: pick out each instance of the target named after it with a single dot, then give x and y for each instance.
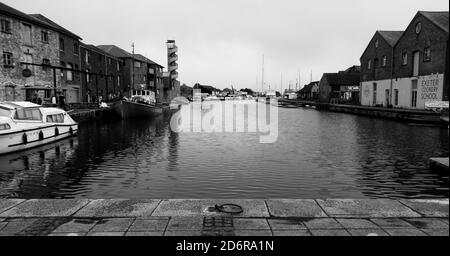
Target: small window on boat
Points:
(59, 118)
(4, 127)
(28, 114)
(5, 112)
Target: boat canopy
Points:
(18, 104)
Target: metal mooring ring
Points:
(230, 208)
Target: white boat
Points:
(212, 98)
(25, 125)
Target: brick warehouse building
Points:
(69, 57)
(377, 68)
(138, 72)
(26, 39)
(105, 79)
(419, 64)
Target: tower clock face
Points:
(418, 27)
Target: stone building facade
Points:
(24, 39)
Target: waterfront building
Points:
(341, 87)
(138, 72)
(69, 57)
(309, 92)
(377, 62)
(102, 79)
(25, 39)
(415, 69)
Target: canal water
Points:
(317, 155)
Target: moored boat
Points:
(141, 104)
(25, 125)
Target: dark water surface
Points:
(317, 155)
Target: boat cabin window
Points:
(4, 127)
(28, 114)
(5, 112)
(59, 118)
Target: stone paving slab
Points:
(405, 232)
(67, 234)
(374, 208)
(256, 233)
(76, 226)
(183, 233)
(106, 234)
(6, 204)
(185, 223)
(145, 225)
(118, 208)
(392, 223)
(146, 234)
(286, 224)
(429, 208)
(113, 225)
(426, 223)
(251, 224)
(46, 208)
(323, 224)
(295, 208)
(177, 207)
(436, 232)
(357, 224)
(367, 232)
(330, 232)
(291, 233)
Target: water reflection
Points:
(317, 155)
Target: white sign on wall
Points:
(430, 89)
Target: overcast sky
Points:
(221, 42)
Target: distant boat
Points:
(212, 98)
(141, 104)
(25, 125)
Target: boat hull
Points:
(15, 141)
(126, 109)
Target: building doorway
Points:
(414, 93)
(388, 98)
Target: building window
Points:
(427, 54)
(28, 58)
(384, 61)
(26, 34)
(118, 80)
(404, 58)
(377, 43)
(396, 97)
(46, 62)
(88, 77)
(418, 27)
(137, 64)
(61, 44)
(6, 26)
(7, 59)
(44, 36)
(369, 64)
(69, 72)
(76, 49)
(109, 61)
(375, 63)
(118, 66)
(87, 57)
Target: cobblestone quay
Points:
(277, 217)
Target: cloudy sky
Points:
(221, 42)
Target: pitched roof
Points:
(342, 78)
(96, 49)
(115, 51)
(145, 59)
(57, 27)
(438, 18)
(391, 37)
(8, 10)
